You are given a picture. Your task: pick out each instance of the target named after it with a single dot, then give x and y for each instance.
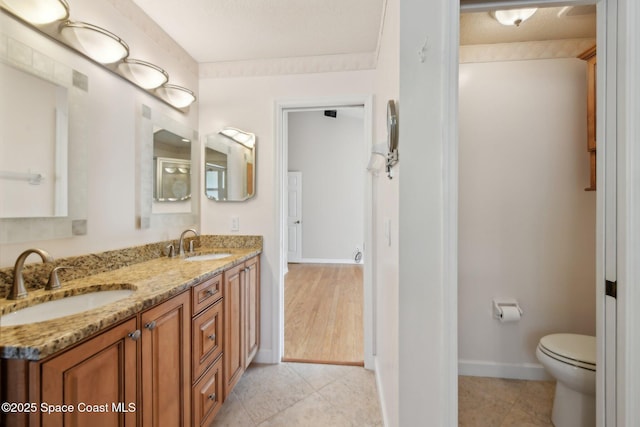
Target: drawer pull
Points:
(212, 337)
(135, 335)
(212, 397)
(209, 292)
(151, 325)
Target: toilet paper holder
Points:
(499, 305)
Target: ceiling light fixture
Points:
(178, 96)
(38, 12)
(512, 17)
(96, 42)
(144, 74)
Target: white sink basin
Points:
(207, 257)
(63, 307)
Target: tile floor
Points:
(497, 402)
(302, 394)
(311, 395)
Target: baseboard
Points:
(520, 371)
(265, 356)
(328, 261)
(381, 402)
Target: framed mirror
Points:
(165, 175)
(230, 165)
(42, 141)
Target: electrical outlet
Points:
(235, 223)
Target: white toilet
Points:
(571, 360)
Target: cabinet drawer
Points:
(207, 338)
(206, 293)
(207, 395)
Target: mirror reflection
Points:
(33, 143)
(172, 167)
(229, 163)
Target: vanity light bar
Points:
(38, 12)
(144, 74)
(97, 43)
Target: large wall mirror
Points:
(230, 165)
(42, 142)
(165, 175)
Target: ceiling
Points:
(553, 23)
(240, 30)
(218, 31)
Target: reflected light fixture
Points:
(97, 43)
(245, 138)
(38, 12)
(512, 17)
(178, 96)
(144, 74)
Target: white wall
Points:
(526, 225)
(248, 103)
(114, 107)
(386, 208)
(330, 154)
(427, 282)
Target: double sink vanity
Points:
(166, 349)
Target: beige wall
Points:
(526, 225)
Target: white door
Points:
(294, 217)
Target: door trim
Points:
(282, 108)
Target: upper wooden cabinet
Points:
(590, 56)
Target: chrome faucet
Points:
(18, 290)
(181, 242)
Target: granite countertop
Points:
(153, 281)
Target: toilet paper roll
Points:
(509, 314)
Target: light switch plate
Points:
(235, 223)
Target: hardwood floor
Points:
(323, 314)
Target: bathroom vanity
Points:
(169, 354)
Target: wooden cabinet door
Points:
(166, 364)
(98, 377)
(252, 308)
(233, 355)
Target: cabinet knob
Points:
(135, 335)
(209, 292)
(151, 325)
(212, 396)
(212, 337)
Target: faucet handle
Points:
(170, 250)
(54, 280)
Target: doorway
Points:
(594, 230)
(325, 234)
(285, 111)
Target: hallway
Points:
(323, 314)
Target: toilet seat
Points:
(572, 349)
